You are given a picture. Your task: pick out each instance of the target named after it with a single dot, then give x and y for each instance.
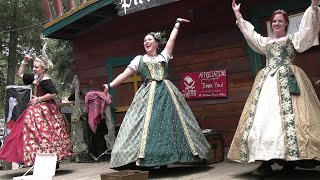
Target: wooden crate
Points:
(215, 140)
(126, 175)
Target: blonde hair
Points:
(45, 63)
(44, 59)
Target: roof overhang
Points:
(93, 13)
(80, 19)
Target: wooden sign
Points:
(209, 84)
(130, 6)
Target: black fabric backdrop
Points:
(20, 96)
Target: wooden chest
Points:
(215, 140)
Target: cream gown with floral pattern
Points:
(281, 118)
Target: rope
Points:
(37, 24)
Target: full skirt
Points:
(159, 129)
(267, 137)
(39, 129)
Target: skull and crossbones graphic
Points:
(189, 83)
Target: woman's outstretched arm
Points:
(170, 44)
(128, 72)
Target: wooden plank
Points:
(121, 109)
(232, 65)
(220, 124)
(227, 137)
(242, 79)
(119, 118)
(94, 83)
(209, 55)
(91, 73)
(218, 114)
(124, 94)
(89, 60)
(223, 107)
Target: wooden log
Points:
(71, 4)
(47, 10)
(58, 7)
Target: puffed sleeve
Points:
(134, 64)
(48, 86)
(166, 56)
(28, 79)
(254, 39)
(308, 29)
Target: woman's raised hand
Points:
(181, 20)
(27, 58)
(235, 7)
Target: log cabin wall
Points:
(211, 42)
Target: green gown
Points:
(159, 127)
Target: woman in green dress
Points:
(159, 128)
(280, 121)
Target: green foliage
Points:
(21, 25)
(61, 54)
(20, 28)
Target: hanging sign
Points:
(209, 84)
(130, 6)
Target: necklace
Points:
(36, 83)
(152, 57)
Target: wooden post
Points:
(47, 10)
(71, 4)
(58, 7)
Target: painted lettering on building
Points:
(130, 6)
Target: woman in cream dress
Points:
(281, 118)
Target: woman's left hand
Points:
(34, 100)
(106, 88)
(181, 20)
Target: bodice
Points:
(279, 54)
(43, 87)
(153, 71)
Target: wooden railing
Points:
(58, 7)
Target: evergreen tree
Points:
(21, 25)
